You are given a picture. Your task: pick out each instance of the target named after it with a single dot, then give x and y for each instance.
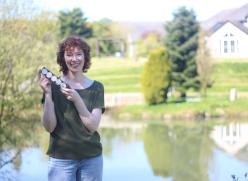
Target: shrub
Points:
(155, 77)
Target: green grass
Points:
(117, 74)
(229, 75)
(123, 75)
(212, 107)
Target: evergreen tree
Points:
(182, 43)
(74, 23)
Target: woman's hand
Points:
(45, 84)
(70, 94)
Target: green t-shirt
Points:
(71, 139)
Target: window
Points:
(225, 47)
(235, 130)
(237, 46)
(227, 131)
(232, 46)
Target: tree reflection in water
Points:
(120, 136)
(180, 152)
(14, 137)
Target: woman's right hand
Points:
(45, 84)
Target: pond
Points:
(153, 151)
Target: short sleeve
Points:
(99, 97)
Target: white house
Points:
(227, 33)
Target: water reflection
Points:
(15, 135)
(157, 145)
(177, 151)
(125, 158)
(231, 138)
(184, 151)
(231, 154)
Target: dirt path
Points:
(120, 99)
(136, 98)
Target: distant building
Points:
(139, 30)
(227, 33)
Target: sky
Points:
(140, 10)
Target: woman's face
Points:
(74, 59)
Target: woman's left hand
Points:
(70, 94)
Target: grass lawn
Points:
(212, 107)
(123, 75)
(227, 75)
(117, 74)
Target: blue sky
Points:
(140, 10)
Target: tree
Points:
(148, 43)
(204, 63)
(182, 42)
(108, 38)
(25, 44)
(74, 23)
(155, 77)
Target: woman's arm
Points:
(90, 119)
(48, 118)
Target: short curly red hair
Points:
(68, 44)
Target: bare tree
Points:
(204, 63)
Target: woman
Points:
(72, 116)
